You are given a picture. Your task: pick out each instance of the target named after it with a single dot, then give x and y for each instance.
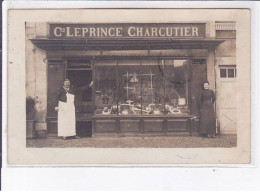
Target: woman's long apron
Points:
(66, 117)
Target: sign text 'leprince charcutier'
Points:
(134, 31)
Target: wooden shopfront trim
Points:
(188, 121)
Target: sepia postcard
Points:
(129, 86)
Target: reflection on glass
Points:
(105, 87)
(152, 88)
(129, 88)
(175, 73)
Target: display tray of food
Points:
(147, 116)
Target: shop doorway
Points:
(198, 77)
(80, 74)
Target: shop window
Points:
(175, 73)
(227, 72)
(105, 87)
(129, 76)
(152, 88)
(141, 87)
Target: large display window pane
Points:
(176, 88)
(129, 87)
(105, 87)
(141, 87)
(152, 88)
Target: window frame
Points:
(226, 68)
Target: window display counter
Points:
(120, 125)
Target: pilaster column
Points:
(211, 68)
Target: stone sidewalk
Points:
(136, 142)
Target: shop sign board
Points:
(128, 31)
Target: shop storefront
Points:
(147, 77)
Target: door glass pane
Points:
(223, 73)
(105, 87)
(129, 102)
(152, 88)
(83, 97)
(176, 88)
(231, 73)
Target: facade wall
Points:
(226, 87)
(36, 70)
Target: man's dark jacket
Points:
(73, 90)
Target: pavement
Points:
(136, 142)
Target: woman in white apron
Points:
(66, 110)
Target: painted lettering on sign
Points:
(127, 30)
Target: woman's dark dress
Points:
(207, 116)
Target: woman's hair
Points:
(206, 82)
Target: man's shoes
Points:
(77, 137)
(64, 138)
